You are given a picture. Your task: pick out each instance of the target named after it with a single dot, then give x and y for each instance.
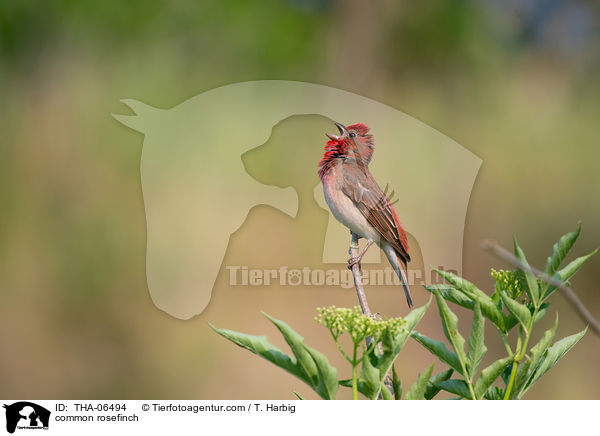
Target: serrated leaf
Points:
(392, 345)
(541, 312)
(369, 379)
(528, 368)
(347, 383)
(520, 311)
(560, 251)
(488, 308)
(569, 271)
(493, 393)
(391, 348)
(477, 348)
(260, 346)
(456, 387)
(417, 391)
(538, 350)
(432, 390)
(506, 374)
(490, 374)
(554, 354)
(531, 283)
(328, 382)
(440, 350)
(411, 320)
(453, 295)
(296, 343)
(397, 384)
(450, 325)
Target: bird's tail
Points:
(399, 268)
(405, 286)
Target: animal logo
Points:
(24, 414)
(197, 191)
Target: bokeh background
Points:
(517, 83)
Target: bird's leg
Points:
(356, 260)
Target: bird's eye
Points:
(352, 134)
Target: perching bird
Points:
(357, 201)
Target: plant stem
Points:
(506, 344)
(471, 390)
(335, 339)
(511, 381)
(354, 374)
(520, 354)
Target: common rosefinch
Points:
(357, 201)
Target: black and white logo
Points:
(26, 415)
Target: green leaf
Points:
(537, 351)
(323, 375)
(520, 311)
(452, 295)
(510, 321)
(554, 354)
(385, 392)
(488, 308)
(477, 347)
(541, 312)
(456, 387)
(432, 389)
(328, 383)
(530, 280)
(569, 271)
(397, 384)
(369, 379)
(493, 393)
(296, 343)
(298, 395)
(490, 374)
(450, 324)
(440, 350)
(261, 346)
(411, 320)
(392, 345)
(391, 348)
(560, 251)
(527, 369)
(347, 383)
(417, 391)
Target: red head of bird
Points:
(353, 141)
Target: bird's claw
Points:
(353, 261)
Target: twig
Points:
(568, 293)
(360, 291)
(353, 251)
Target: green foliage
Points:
(519, 299)
(313, 368)
(309, 365)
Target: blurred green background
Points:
(517, 83)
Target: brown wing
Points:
(360, 186)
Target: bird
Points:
(356, 200)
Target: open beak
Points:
(342, 130)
